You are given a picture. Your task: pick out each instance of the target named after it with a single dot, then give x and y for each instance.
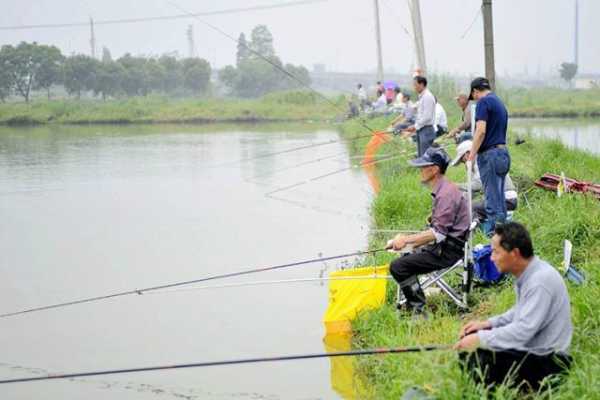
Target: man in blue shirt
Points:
(489, 148)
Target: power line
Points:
(352, 353)
(477, 14)
(163, 18)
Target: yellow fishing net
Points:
(352, 291)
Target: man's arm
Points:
(480, 128)
(519, 331)
(414, 240)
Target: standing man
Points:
(425, 116)
(362, 96)
(463, 102)
(489, 149)
(530, 341)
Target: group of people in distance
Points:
(528, 344)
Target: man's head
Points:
(433, 163)
(462, 100)
(405, 97)
(359, 85)
(479, 88)
(419, 83)
(511, 248)
(462, 152)
(397, 90)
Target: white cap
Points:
(461, 149)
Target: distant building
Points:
(587, 81)
(319, 68)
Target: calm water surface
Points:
(91, 210)
(582, 134)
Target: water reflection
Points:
(345, 379)
(579, 134)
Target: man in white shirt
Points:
(423, 127)
(441, 120)
(362, 96)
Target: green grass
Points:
(284, 106)
(404, 204)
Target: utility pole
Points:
(415, 14)
(488, 42)
(576, 58)
(378, 39)
(190, 37)
(92, 38)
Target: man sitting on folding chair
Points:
(443, 243)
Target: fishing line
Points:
(184, 283)
(280, 68)
(351, 353)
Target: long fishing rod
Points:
(184, 283)
(350, 353)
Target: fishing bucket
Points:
(485, 269)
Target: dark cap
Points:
(433, 156)
(480, 83)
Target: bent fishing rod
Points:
(350, 353)
(184, 283)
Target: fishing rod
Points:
(184, 283)
(328, 174)
(294, 166)
(350, 353)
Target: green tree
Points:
(173, 79)
(109, 75)
(196, 75)
(262, 42)
(22, 64)
(156, 75)
(243, 51)
(568, 72)
(50, 69)
(135, 78)
(6, 81)
(228, 76)
(79, 74)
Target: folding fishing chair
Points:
(460, 293)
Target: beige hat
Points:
(461, 149)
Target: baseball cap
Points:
(479, 83)
(433, 156)
(461, 149)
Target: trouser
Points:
(405, 270)
(425, 137)
(466, 135)
(512, 367)
(399, 127)
(479, 208)
(494, 164)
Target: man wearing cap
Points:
(442, 244)
(425, 116)
(489, 148)
(463, 102)
(463, 150)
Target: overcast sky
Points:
(532, 35)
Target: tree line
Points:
(252, 76)
(31, 66)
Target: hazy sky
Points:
(536, 35)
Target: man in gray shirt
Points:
(530, 341)
(425, 116)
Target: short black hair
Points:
(421, 80)
(406, 95)
(396, 89)
(515, 236)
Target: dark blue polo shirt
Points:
(491, 110)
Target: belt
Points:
(496, 146)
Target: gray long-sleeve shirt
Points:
(540, 321)
(425, 110)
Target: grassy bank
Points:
(282, 107)
(285, 106)
(404, 204)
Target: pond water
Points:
(582, 134)
(89, 210)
